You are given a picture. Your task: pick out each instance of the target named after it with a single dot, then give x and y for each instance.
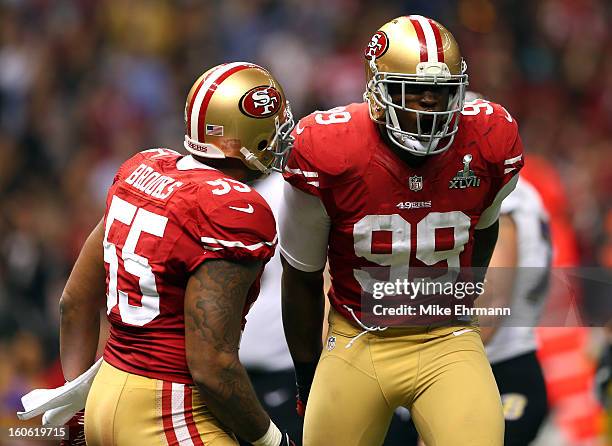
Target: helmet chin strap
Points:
(252, 159)
(410, 143)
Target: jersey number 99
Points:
(398, 259)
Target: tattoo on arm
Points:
(220, 288)
(214, 303)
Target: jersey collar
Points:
(189, 163)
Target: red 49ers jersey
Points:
(165, 215)
(387, 214)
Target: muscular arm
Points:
(487, 228)
(214, 302)
(303, 305)
(82, 299)
(501, 276)
(303, 260)
(484, 244)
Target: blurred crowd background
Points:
(84, 84)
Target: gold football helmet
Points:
(238, 110)
(415, 51)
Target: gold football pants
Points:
(124, 409)
(441, 375)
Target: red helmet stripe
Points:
(193, 98)
(438, 37)
(204, 95)
(421, 36)
(209, 95)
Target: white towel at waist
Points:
(59, 404)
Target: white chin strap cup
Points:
(252, 159)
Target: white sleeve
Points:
(491, 214)
(303, 229)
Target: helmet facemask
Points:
(278, 148)
(444, 124)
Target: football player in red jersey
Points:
(176, 262)
(411, 178)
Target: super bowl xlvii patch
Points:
(331, 343)
(465, 177)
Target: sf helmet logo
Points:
(260, 102)
(378, 46)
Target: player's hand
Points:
(304, 375)
(301, 399)
(76, 430)
(286, 441)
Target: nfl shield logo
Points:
(331, 343)
(416, 183)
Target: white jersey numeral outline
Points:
(226, 185)
(140, 221)
(399, 258)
